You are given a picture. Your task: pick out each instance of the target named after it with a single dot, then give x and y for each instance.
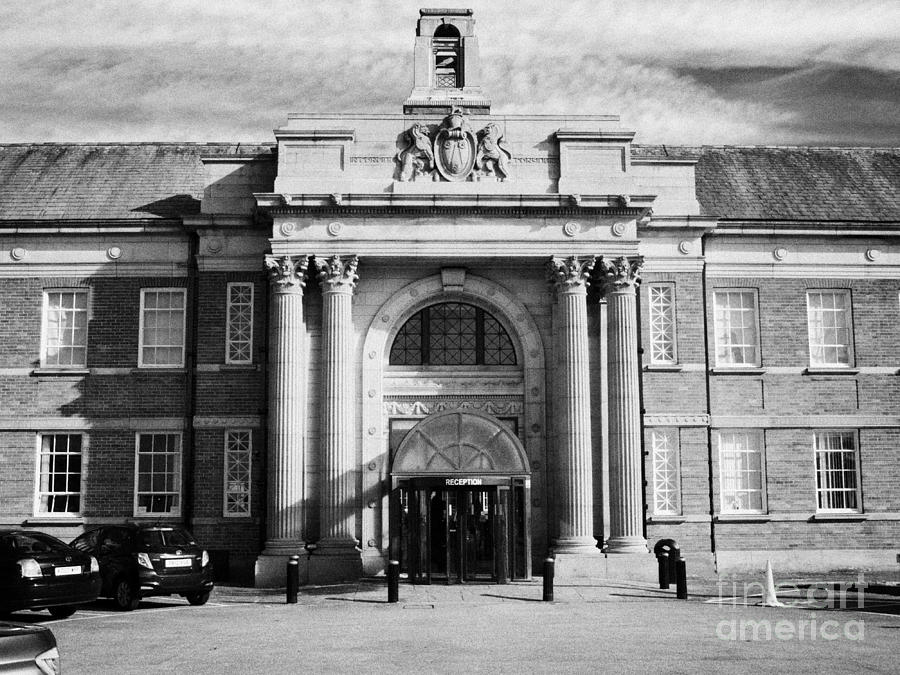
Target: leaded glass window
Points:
(238, 447)
(452, 334)
(662, 324)
(666, 493)
(239, 323)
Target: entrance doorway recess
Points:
(459, 508)
(463, 529)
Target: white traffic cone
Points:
(770, 599)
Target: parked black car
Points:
(27, 648)
(38, 571)
(138, 560)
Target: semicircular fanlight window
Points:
(452, 334)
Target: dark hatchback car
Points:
(26, 648)
(38, 571)
(138, 560)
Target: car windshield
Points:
(166, 537)
(22, 543)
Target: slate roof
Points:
(165, 180)
(792, 183)
(106, 181)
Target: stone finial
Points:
(336, 273)
(567, 273)
(619, 273)
(287, 274)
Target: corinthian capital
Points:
(621, 273)
(336, 274)
(287, 274)
(570, 273)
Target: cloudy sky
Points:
(823, 72)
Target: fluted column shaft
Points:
(575, 500)
(625, 477)
(287, 418)
(338, 280)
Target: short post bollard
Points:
(293, 579)
(681, 580)
(393, 580)
(549, 570)
(663, 561)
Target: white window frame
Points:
(660, 318)
(229, 324)
(671, 436)
(756, 440)
(854, 435)
(142, 346)
(45, 327)
(753, 293)
(847, 312)
(228, 474)
(177, 492)
(38, 492)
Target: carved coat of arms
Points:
(455, 153)
(454, 148)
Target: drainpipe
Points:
(709, 443)
(190, 380)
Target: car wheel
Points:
(62, 612)
(197, 598)
(126, 595)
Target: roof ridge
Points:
(134, 143)
(768, 147)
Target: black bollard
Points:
(681, 580)
(663, 560)
(674, 555)
(549, 566)
(393, 580)
(293, 579)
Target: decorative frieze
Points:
(676, 420)
(427, 406)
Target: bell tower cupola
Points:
(446, 74)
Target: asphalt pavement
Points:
(589, 627)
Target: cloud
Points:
(677, 72)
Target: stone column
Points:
(337, 278)
(575, 500)
(287, 419)
(626, 533)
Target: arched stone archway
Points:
(388, 320)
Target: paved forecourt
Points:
(623, 627)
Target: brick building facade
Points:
(344, 343)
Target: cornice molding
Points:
(799, 271)
(289, 203)
(77, 423)
(564, 135)
(804, 421)
(111, 269)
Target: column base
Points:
(576, 545)
(271, 568)
(335, 561)
(617, 545)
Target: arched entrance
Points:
(459, 500)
